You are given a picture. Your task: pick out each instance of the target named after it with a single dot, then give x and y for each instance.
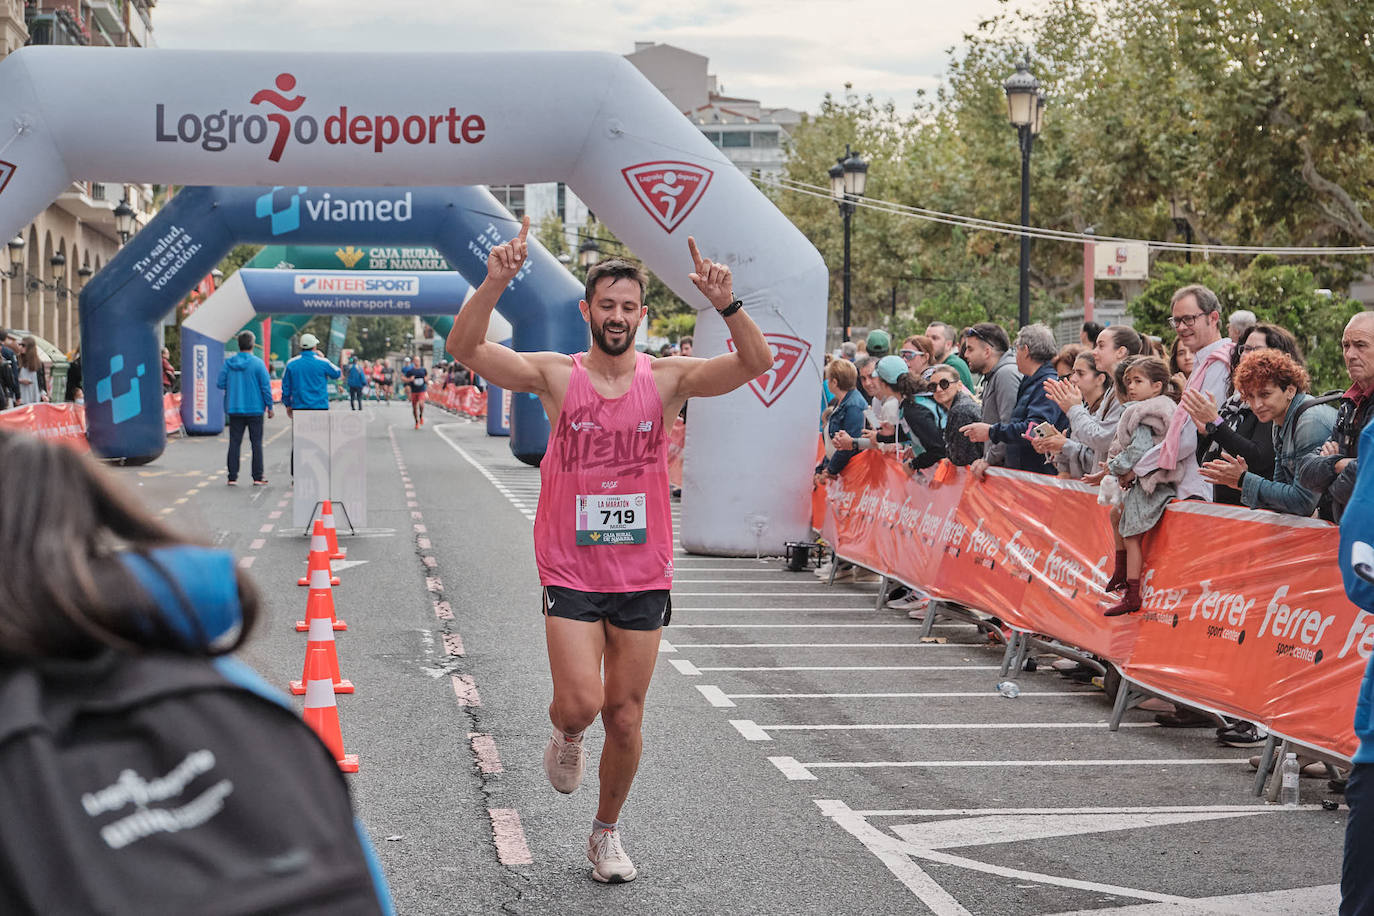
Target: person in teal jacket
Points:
(1357, 527)
(247, 393)
(305, 384)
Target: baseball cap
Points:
(878, 343)
(309, 341)
(890, 368)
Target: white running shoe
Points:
(845, 572)
(908, 602)
(823, 571)
(866, 575)
(610, 865)
(564, 763)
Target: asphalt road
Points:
(804, 753)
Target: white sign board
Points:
(1121, 261)
(330, 462)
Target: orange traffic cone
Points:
(319, 556)
(330, 534)
(320, 602)
(321, 641)
(321, 710)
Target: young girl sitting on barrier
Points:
(1137, 506)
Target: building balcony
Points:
(108, 15)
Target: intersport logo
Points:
(216, 131)
(324, 284)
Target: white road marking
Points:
(950, 726)
(807, 626)
(943, 764)
(1323, 898)
(749, 730)
(984, 694)
(256, 543)
(986, 830)
(715, 696)
(791, 768)
(1258, 808)
(860, 668)
(822, 645)
(665, 647)
(684, 667)
(890, 852)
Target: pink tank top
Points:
(604, 522)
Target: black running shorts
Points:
(625, 610)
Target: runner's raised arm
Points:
(704, 378)
(467, 341)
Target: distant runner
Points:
(603, 537)
(415, 387)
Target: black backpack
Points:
(162, 783)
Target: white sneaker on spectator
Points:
(1064, 664)
(610, 865)
(908, 602)
(846, 571)
(865, 575)
(823, 571)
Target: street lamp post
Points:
(588, 253)
(16, 251)
(1026, 111)
(1179, 215)
(848, 180)
(124, 220)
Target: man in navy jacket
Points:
(247, 393)
(1035, 350)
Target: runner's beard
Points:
(600, 334)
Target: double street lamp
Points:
(848, 178)
(1026, 111)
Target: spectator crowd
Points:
(1224, 413)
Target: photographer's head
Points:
(71, 529)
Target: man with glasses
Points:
(987, 349)
(942, 337)
(1197, 321)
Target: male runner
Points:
(603, 531)
(415, 386)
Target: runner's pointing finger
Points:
(524, 229)
(696, 255)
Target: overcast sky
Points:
(781, 52)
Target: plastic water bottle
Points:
(1288, 789)
(1008, 689)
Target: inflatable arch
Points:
(592, 120)
(253, 292)
(199, 226)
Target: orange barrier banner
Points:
(677, 441)
(63, 422)
(171, 413)
(1244, 613)
(276, 390)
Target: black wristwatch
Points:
(732, 308)
(1210, 427)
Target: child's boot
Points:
(1129, 603)
(1118, 580)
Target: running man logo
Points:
(668, 190)
(789, 355)
(349, 256)
(6, 170)
(286, 219)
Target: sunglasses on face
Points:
(943, 383)
(907, 354)
(974, 332)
